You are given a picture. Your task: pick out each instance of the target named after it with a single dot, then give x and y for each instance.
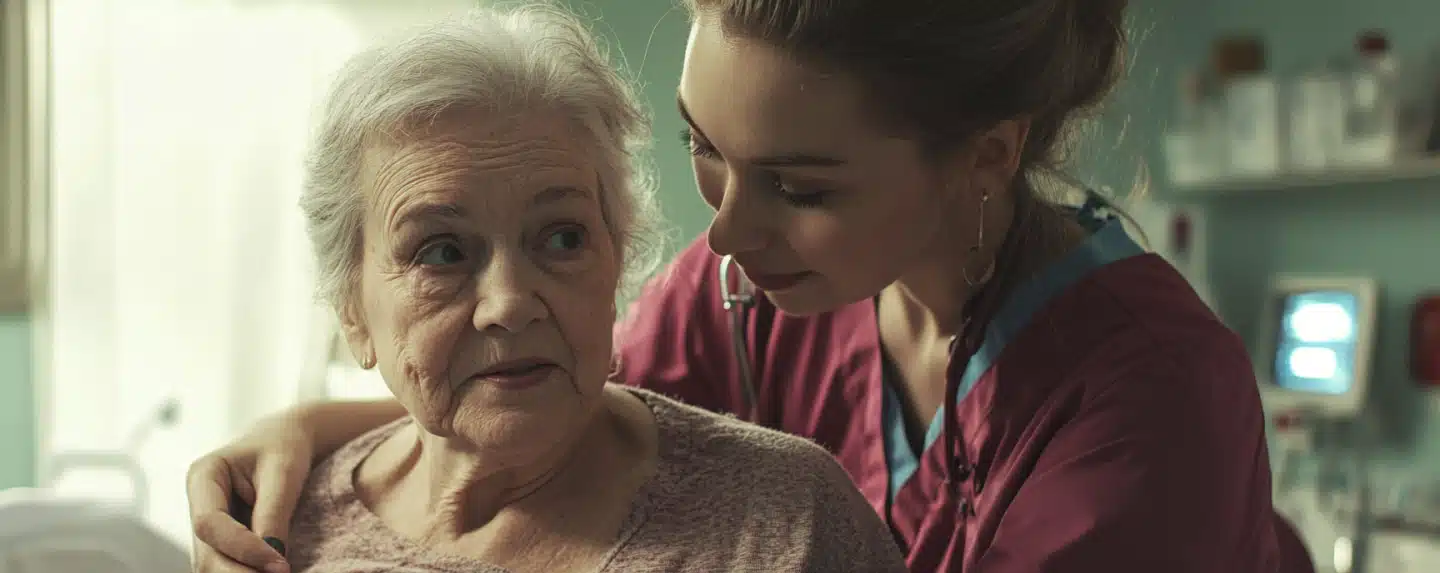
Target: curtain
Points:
(181, 270)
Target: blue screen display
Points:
(1317, 342)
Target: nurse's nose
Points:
(506, 295)
(739, 223)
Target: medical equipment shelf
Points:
(1417, 169)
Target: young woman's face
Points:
(820, 206)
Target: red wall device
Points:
(1425, 341)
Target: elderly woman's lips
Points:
(518, 377)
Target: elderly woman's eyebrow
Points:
(558, 193)
(547, 196)
(425, 211)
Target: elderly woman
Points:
(472, 202)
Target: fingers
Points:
(207, 560)
(208, 487)
(278, 483)
(222, 542)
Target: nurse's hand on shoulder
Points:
(265, 471)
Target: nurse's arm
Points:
(335, 423)
(1162, 467)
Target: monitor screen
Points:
(1316, 350)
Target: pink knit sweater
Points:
(726, 496)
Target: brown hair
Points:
(942, 70)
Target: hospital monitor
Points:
(1315, 344)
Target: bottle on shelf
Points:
(1194, 141)
(1316, 130)
(1371, 103)
(1252, 103)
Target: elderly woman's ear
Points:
(357, 335)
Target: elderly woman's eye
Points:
(565, 239)
(442, 253)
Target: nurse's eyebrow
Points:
(787, 159)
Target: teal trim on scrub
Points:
(1108, 243)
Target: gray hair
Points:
(532, 58)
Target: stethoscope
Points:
(737, 303)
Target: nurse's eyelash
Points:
(696, 147)
(806, 201)
(803, 199)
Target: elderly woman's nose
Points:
(738, 225)
(507, 298)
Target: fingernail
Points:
(278, 567)
(276, 544)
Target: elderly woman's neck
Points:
(466, 488)
(455, 489)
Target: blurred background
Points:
(155, 283)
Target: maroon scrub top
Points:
(1108, 423)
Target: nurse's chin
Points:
(805, 299)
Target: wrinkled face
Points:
(488, 281)
(818, 203)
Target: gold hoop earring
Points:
(369, 361)
(975, 250)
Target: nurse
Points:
(1013, 384)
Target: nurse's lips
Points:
(776, 282)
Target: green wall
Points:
(648, 37)
(1389, 231)
(17, 403)
(1117, 147)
